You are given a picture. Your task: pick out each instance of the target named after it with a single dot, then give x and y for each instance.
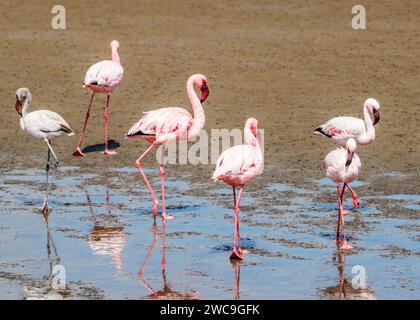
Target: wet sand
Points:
(291, 64)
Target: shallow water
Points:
(105, 237)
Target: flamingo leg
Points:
(237, 251)
(356, 202)
(162, 176)
(45, 209)
(237, 225)
(79, 152)
(138, 165)
(343, 243)
(339, 193)
(52, 152)
(106, 151)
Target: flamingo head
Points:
(252, 124)
(252, 132)
(200, 82)
(114, 44)
(373, 107)
(351, 148)
(22, 95)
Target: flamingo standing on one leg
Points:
(340, 129)
(166, 125)
(41, 124)
(238, 165)
(104, 76)
(342, 166)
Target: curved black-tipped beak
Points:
(204, 93)
(376, 117)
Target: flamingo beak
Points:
(376, 117)
(18, 107)
(349, 158)
(204, 93)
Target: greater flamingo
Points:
(342, 166)
(340, 129)
(166, 125)
(102, 77)
(238, 165)
(41, 124)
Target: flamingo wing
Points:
(105, 73)
(161, 122)
(342, 128)
(47, 122)
(238, 160)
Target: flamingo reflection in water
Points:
(166, 292)
(236, 264)
(345, 289)
(51, 288)
(107, 235)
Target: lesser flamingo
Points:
(41, 124)
(166, 125)
(102, 77)
(238, 165)
(342, 166)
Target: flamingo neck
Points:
(199, 118)
(115, 55)
(370, 130)
(26, 103)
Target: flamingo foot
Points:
(108, 152)
(346, 246)
(167, 216)
(78, 153)
(236, 255)
(243, 252)
(345, 212)
(356, 202)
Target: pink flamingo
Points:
(341, 129)
(342, 166)
(166, 125)
(237, 166)
(102, 77)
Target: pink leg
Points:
(162, 176)
(79, 152)
(138, 165)
(107, 152)
(356, 202)
(339, 193)
(237, 251)
(343, 243)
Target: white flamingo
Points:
(342, 166)
(41, 124)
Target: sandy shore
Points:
(291, 64)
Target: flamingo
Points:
(341, 129)
(41, 124)
(102, 77)
(342, 166)
(166, 125)
(238, 165)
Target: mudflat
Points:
(290, 64)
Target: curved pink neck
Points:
(199, 118)
(115, 56)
